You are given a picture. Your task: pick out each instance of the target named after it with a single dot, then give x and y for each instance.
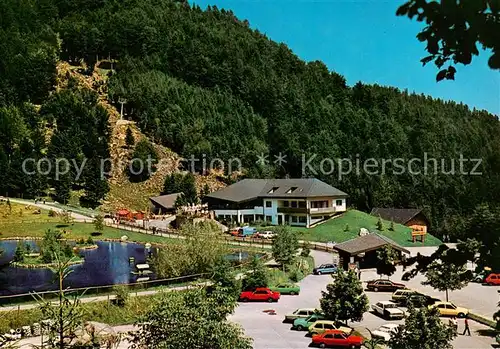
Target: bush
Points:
(52, 213)
(122, 295)
(81, 241)
(306, 250)
(90, 241)
(296, 274)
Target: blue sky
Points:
(365, 41)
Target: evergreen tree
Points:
(380, 224)
(129, 138)
(99, 223)
(347, 228)
(391, 227)
(173, 184)
(344, 299)
(143, 162)
(189, 189)
(62, 189)
(19, 253)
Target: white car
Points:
(266, 234)
(385, 331)
(388, 310)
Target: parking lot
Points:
(269, 331)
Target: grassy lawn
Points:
(19, 221)
(334, 230)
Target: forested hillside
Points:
(202, 82)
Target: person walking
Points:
(453, 323)
(466, 329)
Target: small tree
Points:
(423, 329)
(347, 228)
(225, 282)
(66, 217)
(344, 299)
(129, 138)
(380, 224)
(285, 246)
(9, 205)
(65, 315)
(99, 223)
(386, 257)
(257, 277)
(444, 275)
(391, 227)
(121, 295)
(19, 253)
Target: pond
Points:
(107, 265)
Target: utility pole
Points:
(122, 102)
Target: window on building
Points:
(294, 203)
(273, 190)
(291, 190)
(338, 202)
(269, 219)
(294, 219)
(269, 204)
(302, 204)
(302, 219)
(286, 204)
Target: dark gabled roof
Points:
(397, 215)
(248, 189)
(367, 243)
(165, 201)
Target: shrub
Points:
(122, 295)
(306, 250)
(52, 213)
(90, 241)
(296, 274)
(81, 241)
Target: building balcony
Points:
(303, 210)
(288, 210)
(323, 210)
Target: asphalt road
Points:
(269, 331)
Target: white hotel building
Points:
(297, 202)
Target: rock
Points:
(363, 232)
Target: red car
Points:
(384, 286)
(260, 295)
(336, 338)
(493, 279)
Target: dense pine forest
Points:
(202, 82)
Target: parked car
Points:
(492, 279)
(336, 338)
(400, 296)
(302, 324)
(325, 269)
(419, 300)
(299, 313)
(481, 276)
(384, 286)
(260, 295)
(265, 234)
(388, 310)
(385, 331)
(291, 289)
(449, 309)
(321, 326)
